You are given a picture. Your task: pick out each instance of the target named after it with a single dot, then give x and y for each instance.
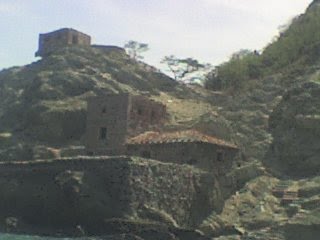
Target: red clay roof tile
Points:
(178, 136)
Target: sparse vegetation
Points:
(183, 68)
(296, 47)
(42, 110)
(136, 49)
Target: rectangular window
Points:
(74, 39)
(103, 133)
(220, 156)
(140, 111)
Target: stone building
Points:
(132, 125)
(185, 147)
(48, 42)
(114, 118)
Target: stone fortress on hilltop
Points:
(49, 42)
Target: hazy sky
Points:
(209, 30)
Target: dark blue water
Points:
(5, 236)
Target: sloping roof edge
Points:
(178, 137)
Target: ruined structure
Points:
(185, 147)
(131, 125)
(114, 118)
(49, 42)
(109, 48)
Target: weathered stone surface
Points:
(49, 42)
(120, 116)
(46, 101)
(86, 191)
(295, 128)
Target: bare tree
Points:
(180, 68)
(135, 49)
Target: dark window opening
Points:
(146, 154)
(273, 148)
(140, 111)
(104, 110)
(74, 40)
(90, 153)
(192, 161)
(153, 114)
(103, 133)
(219, 156)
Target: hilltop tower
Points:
(48, 42)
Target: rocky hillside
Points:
(291, 54)
(295, 126)
(43, 105)
(256, 213)
(273, 117)
(248, 100)
(43, 115)
(43, 100)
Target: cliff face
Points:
(295, 126)
(43, 105)
(46, 100)
(276, 120)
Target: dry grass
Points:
(184, 110)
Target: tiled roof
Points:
(179, 136)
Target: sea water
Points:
(6, 236)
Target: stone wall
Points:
(121, 115)
(111, 113)
(64, 191)
(294, 125)
(88, 190)
(185, 193)
(202, 155)
(109, 48)
(146, 114)
(48, 42)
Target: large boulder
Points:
(295, 126)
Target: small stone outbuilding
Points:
(185, 147)
(49, 42)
